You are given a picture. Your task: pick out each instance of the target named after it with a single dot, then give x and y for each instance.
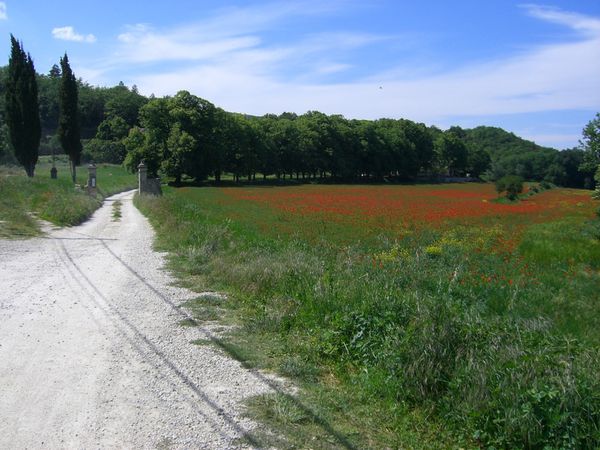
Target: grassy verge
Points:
(437, 340)
(116, 210)
(56, 201)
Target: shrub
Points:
(547, 185)
(511, 184)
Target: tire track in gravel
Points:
(144, 347)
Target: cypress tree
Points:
(22, 107)
(68, 121)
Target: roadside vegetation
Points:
(403, 330)
(57, 201)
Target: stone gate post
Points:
(142, 177)
(91, 184)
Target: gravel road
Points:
(92, 354)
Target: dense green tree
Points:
(345, 160)
(283, 138)
(91, 109)
(478, 161)
(125, 103)
(451, 153)
(422, 139)
(400, 151)
(149, 143)
(457, 132)
(107, 145)
(555, 174)
(241, 146)
(68, 123)
(571, 160)
(196, 117)
(5, 154)
(113, 129)
(140, 147)
(100, 150)
(22, 107)
(590, 144)
(596, 194)
(374, 155)
(49, 87)
(268, 163)
(315, 143)
(181, 147)
(178, 137)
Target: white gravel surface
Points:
(91, 351)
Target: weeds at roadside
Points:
(201, 342)
(116, 210)
(205, 308)
(188, 323)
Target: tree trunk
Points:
(74, 172)
(29, 170)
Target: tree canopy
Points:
(590, 143)
(22, 107)
(68, 123)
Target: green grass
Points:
(439, 339)
(188, 323)
(56, 201)
(116, 210)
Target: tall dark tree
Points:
(68, 122)
(22, 108)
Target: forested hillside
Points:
(186, 136)
(511, 154)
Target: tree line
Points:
(185, 136)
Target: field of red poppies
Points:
(412, 204)
(359, 211)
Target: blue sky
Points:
(530, 68)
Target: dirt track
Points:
(91, 351)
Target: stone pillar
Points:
(91, 184)
(142, 177)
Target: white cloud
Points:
(579, 22)
(3, 15)
(142, 44)
(553, 77)
(68, 34)
(231, 30)
(329, 68)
